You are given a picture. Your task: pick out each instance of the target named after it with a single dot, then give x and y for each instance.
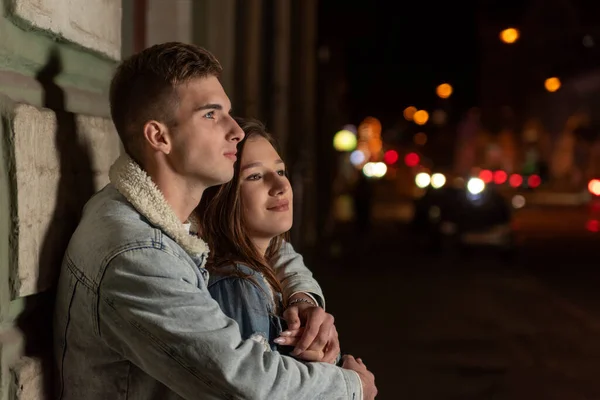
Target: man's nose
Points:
(236, 134)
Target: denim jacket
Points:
(250, 302)
(134, 318)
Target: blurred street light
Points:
(390, 157)
(412, 160)
(409, 112)
(422, 180)
(421, 117)
(475, 186)
(344, 140)
(374, 170)
(438, 180)
(552, 84)
(444, 90)
(357, 157)
(510, 35)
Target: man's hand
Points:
(366, 377)
(319, 333)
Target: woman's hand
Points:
(292, 337)
(319, 331)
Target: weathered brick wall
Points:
(57, 143)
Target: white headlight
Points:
(475, 186)
(422, 180)
(438, 180)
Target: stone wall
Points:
(57, 143)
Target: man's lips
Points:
(231, 155)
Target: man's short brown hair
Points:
(143, 87)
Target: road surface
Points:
(437, 327)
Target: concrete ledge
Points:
(92, 24)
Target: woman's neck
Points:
(261, 244)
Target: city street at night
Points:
(435, 166)
(446, 327)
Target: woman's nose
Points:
(280, 185)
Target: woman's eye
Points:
(281, 172)
(253, 177)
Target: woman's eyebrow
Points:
(258, 164)
(251, 165)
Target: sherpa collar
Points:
(139, 189)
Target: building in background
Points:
(544, 86)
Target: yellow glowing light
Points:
(552, 84)
(409, 112)
(344, 140)
(444, 90)
(510, 35)
(421, 117)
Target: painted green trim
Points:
(25, 49)
(8, 211)
(16, 308)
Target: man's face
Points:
(205, 135)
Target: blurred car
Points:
(464, 216)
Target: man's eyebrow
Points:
(257, 164)
(209, 107)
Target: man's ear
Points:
(157, 136)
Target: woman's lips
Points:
(283, 205)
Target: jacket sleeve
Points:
(294, 275)
(245, 303)
(153, 310)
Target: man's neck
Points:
(180, 194)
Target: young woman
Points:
(245, 223)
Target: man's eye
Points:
(210, 115)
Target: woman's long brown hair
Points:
(222, 219)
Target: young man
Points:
(134, 318)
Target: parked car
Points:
(460, 218)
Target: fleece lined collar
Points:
(139, 189)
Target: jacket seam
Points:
(155, 243)
(128, 380)
(93, 285)
(64, 339)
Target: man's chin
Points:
(217, 181)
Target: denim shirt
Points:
(134, 318)
(250, 302)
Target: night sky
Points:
(396, 53)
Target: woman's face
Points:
(266, 194)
